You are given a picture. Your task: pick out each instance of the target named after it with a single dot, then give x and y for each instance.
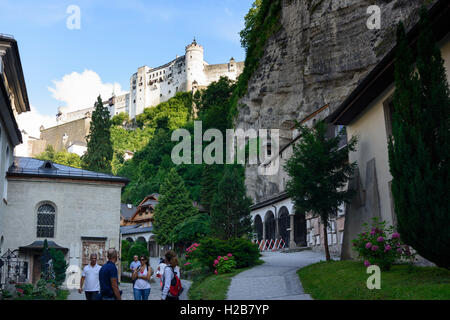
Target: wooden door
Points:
(36, 268)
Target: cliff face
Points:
(323, 50)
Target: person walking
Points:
(108, 278)
(160, 271)
(169, 276)
(141, 277)
(90, 280)
(135, 263)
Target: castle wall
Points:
(151, 86)
(76, 131)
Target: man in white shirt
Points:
(89, 278)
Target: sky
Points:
(68, 67)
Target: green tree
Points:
(318, 170)
(45, 258)
(211, 176)
(126, 245)
(62, 157)
(59, 266)
(230, 209)
(419, 146)
(137, 249)
(191, 229)
(174, 207)
(99, 147)
(120, 119)
(250, 24)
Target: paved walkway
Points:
(127, 288)
(276, 279)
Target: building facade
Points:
(55, 202)
(367, 113)
(13, 101)
(274, 218)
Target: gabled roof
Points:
(151, 200)
(30, 167)
(382, 76)
(127, 212)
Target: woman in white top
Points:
(169, 273)
(160, 270)
(142, 276)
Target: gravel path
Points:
(127, 288)
(276, 279)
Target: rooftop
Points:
(30, 167)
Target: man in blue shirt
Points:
(108, 277)
(135, 264)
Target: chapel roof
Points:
(30, 167)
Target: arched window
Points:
(46, 221)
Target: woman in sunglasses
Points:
(142, 276)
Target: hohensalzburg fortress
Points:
(148, 88)
(151, 86)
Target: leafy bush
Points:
(44, 290)
(245, 252)
(191, 229)
(137, 249)
(378, 245)
(224, 264)
(126, 245)
(25, 289)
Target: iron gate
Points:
(12, 269)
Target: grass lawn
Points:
(62, 294)
(212, 287)
(338, 280)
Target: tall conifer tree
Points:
(99, 146)
(174, 207)
(419, 146)
(318, 171)
(230, 208)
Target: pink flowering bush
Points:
(189, 262)
(225, 264)
(379, 245)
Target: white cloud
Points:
(80, 91)
(32, 120)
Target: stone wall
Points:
(62, 136)
(323, 50)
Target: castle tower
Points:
(194, 65)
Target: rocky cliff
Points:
(323, 50)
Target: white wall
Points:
(6, 159)
(78, 213)
(370, 127)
